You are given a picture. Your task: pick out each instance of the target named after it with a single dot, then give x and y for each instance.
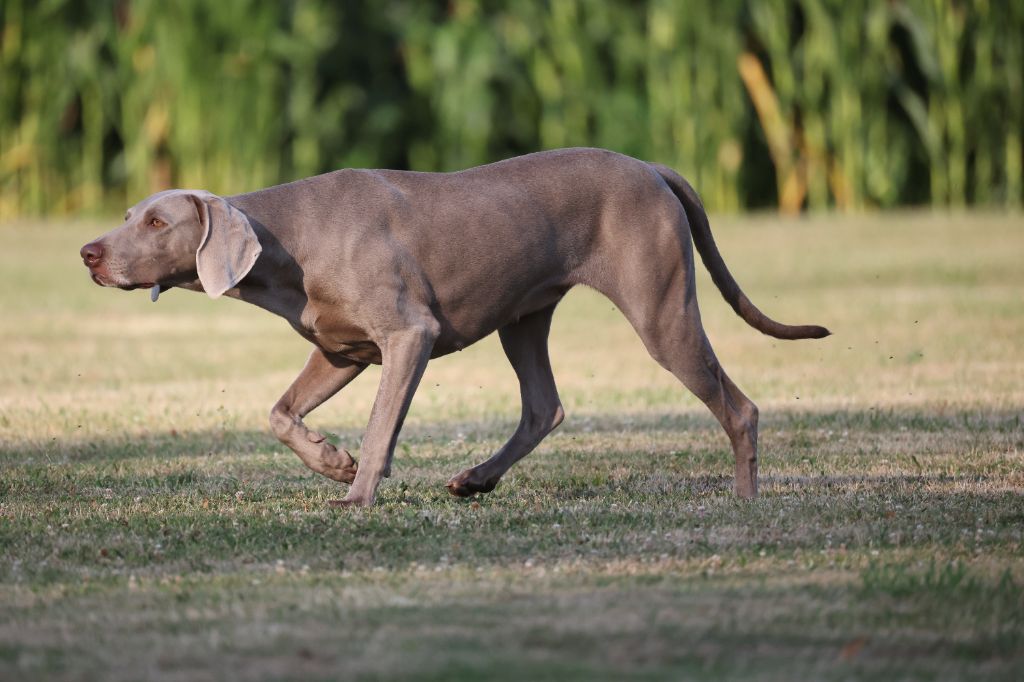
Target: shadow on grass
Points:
(574, 470)
(174, 531)
(86, 509)
(174, 444)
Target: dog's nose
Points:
(92, 254)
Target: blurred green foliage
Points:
(798, 104)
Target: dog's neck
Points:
(274, 283)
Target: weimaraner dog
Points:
(395, 268)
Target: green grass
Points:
(151, 527)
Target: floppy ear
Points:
(229, 247)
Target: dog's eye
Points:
(156, 222)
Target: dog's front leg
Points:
(404, 357)
(322, 377)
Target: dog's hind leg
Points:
(688, 355)
(526, 346)
(663, 310)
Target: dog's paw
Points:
(343, 475)
(338, 465)
(467, 485)
(346, 503)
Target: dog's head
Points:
(173, 238)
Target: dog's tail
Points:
(723, 279)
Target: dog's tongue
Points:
(154, 293)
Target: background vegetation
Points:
(806, 103)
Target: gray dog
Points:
(395, 268)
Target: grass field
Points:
(152, 527)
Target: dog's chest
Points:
(336, 333)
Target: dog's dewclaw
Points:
(154, 293)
